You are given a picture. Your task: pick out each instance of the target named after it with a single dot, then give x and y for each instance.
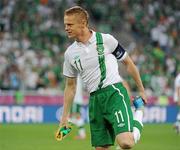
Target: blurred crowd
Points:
(33, 41)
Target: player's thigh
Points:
(99, 133)
(119, 111)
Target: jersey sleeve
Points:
(68, 69)
(116, 49)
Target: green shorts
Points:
(110, 114)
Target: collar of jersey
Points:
(91, 40)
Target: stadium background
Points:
(32, 44)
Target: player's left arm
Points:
(133, 71)
(121, 55)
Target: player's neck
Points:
(85, 36)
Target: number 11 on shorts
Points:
(119, 116)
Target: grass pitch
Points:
(41, 137)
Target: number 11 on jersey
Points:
(119, 116)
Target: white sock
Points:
(138, 116)
(136, 134)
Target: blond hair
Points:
(79, 11)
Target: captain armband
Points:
(119, 52)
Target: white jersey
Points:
(85, 60)
(78, 98)
(176, 85)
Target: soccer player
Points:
(94, 56)
(177, 99)
(76, 116)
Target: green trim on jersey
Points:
(101, 57)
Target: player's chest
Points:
(85, 58)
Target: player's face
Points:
(73, 26)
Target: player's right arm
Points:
(69, 92)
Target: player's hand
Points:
(63, 130)
(143, 95)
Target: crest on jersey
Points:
(100, 49)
